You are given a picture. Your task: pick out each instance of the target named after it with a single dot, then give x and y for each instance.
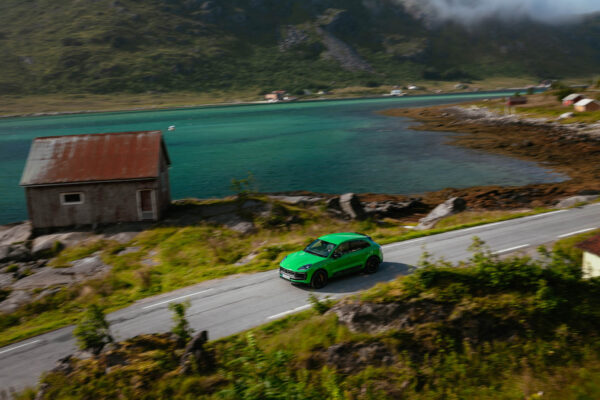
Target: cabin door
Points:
(146, 205)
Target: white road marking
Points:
(304, 307)
(411, 241)
(484, 226)
(18, 347)
(511, 249)
(176, 298)
(576, 232)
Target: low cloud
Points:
(474, 11)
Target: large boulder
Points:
(351, 206)
(447, 208)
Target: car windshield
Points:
(320, 248)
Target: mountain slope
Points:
(104, 46)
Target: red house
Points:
(572, 99)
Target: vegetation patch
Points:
(513, 328)
(166, 258)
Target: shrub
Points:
(93, 331)
(182, 327)
(320, 306)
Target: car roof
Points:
(337, 238)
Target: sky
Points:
(472, 11)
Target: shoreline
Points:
(569, 150)
(497, 92)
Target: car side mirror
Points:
(335, 255)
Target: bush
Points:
(93, 331)
(182, 327)
(320, 306)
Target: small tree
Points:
(93, 331)
(243, 187)
(182, 327)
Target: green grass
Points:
(172, 257)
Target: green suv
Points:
(330, 256)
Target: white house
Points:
(591, 257)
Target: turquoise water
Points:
(332, 147)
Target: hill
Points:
(105, 46)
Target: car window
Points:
(357, 245)
(320, 248)
(343, 248)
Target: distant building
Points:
(587, 105)
(276, 95)
(572, 99)
(516, 100)
(96, 179)
(591, 257)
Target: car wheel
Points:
(372, 265)
(319, 279)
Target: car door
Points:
(356, 255)
(360, 250)
(339, 259)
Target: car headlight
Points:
(305, 267)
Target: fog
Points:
(473, 11)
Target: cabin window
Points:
(71, 198)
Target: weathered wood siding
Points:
(105, 202)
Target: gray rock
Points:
(15, 233)
(301, 200)
(88, 267)
(447, 208)
(395, 210)
(122, 237)
(351, 206)
(4, 251)
(348, 357)
(44, 278)
(44, 244)
(234, 222)
(128, 250)
(16, 299)
(246, 259)
(18, 252)
(574, 200)
(6, 279)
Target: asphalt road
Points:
(230, 305)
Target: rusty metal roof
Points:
(94, 157)
(591, 245)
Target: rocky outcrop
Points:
(196, 353)
(48, 244)
(391, 209)
(349, 357)
(575, 200)
(351, 206)
(449, 207)
(36, 281)
(15, 233)
(377, 318)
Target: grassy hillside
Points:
(105, 46)
(488, 329)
